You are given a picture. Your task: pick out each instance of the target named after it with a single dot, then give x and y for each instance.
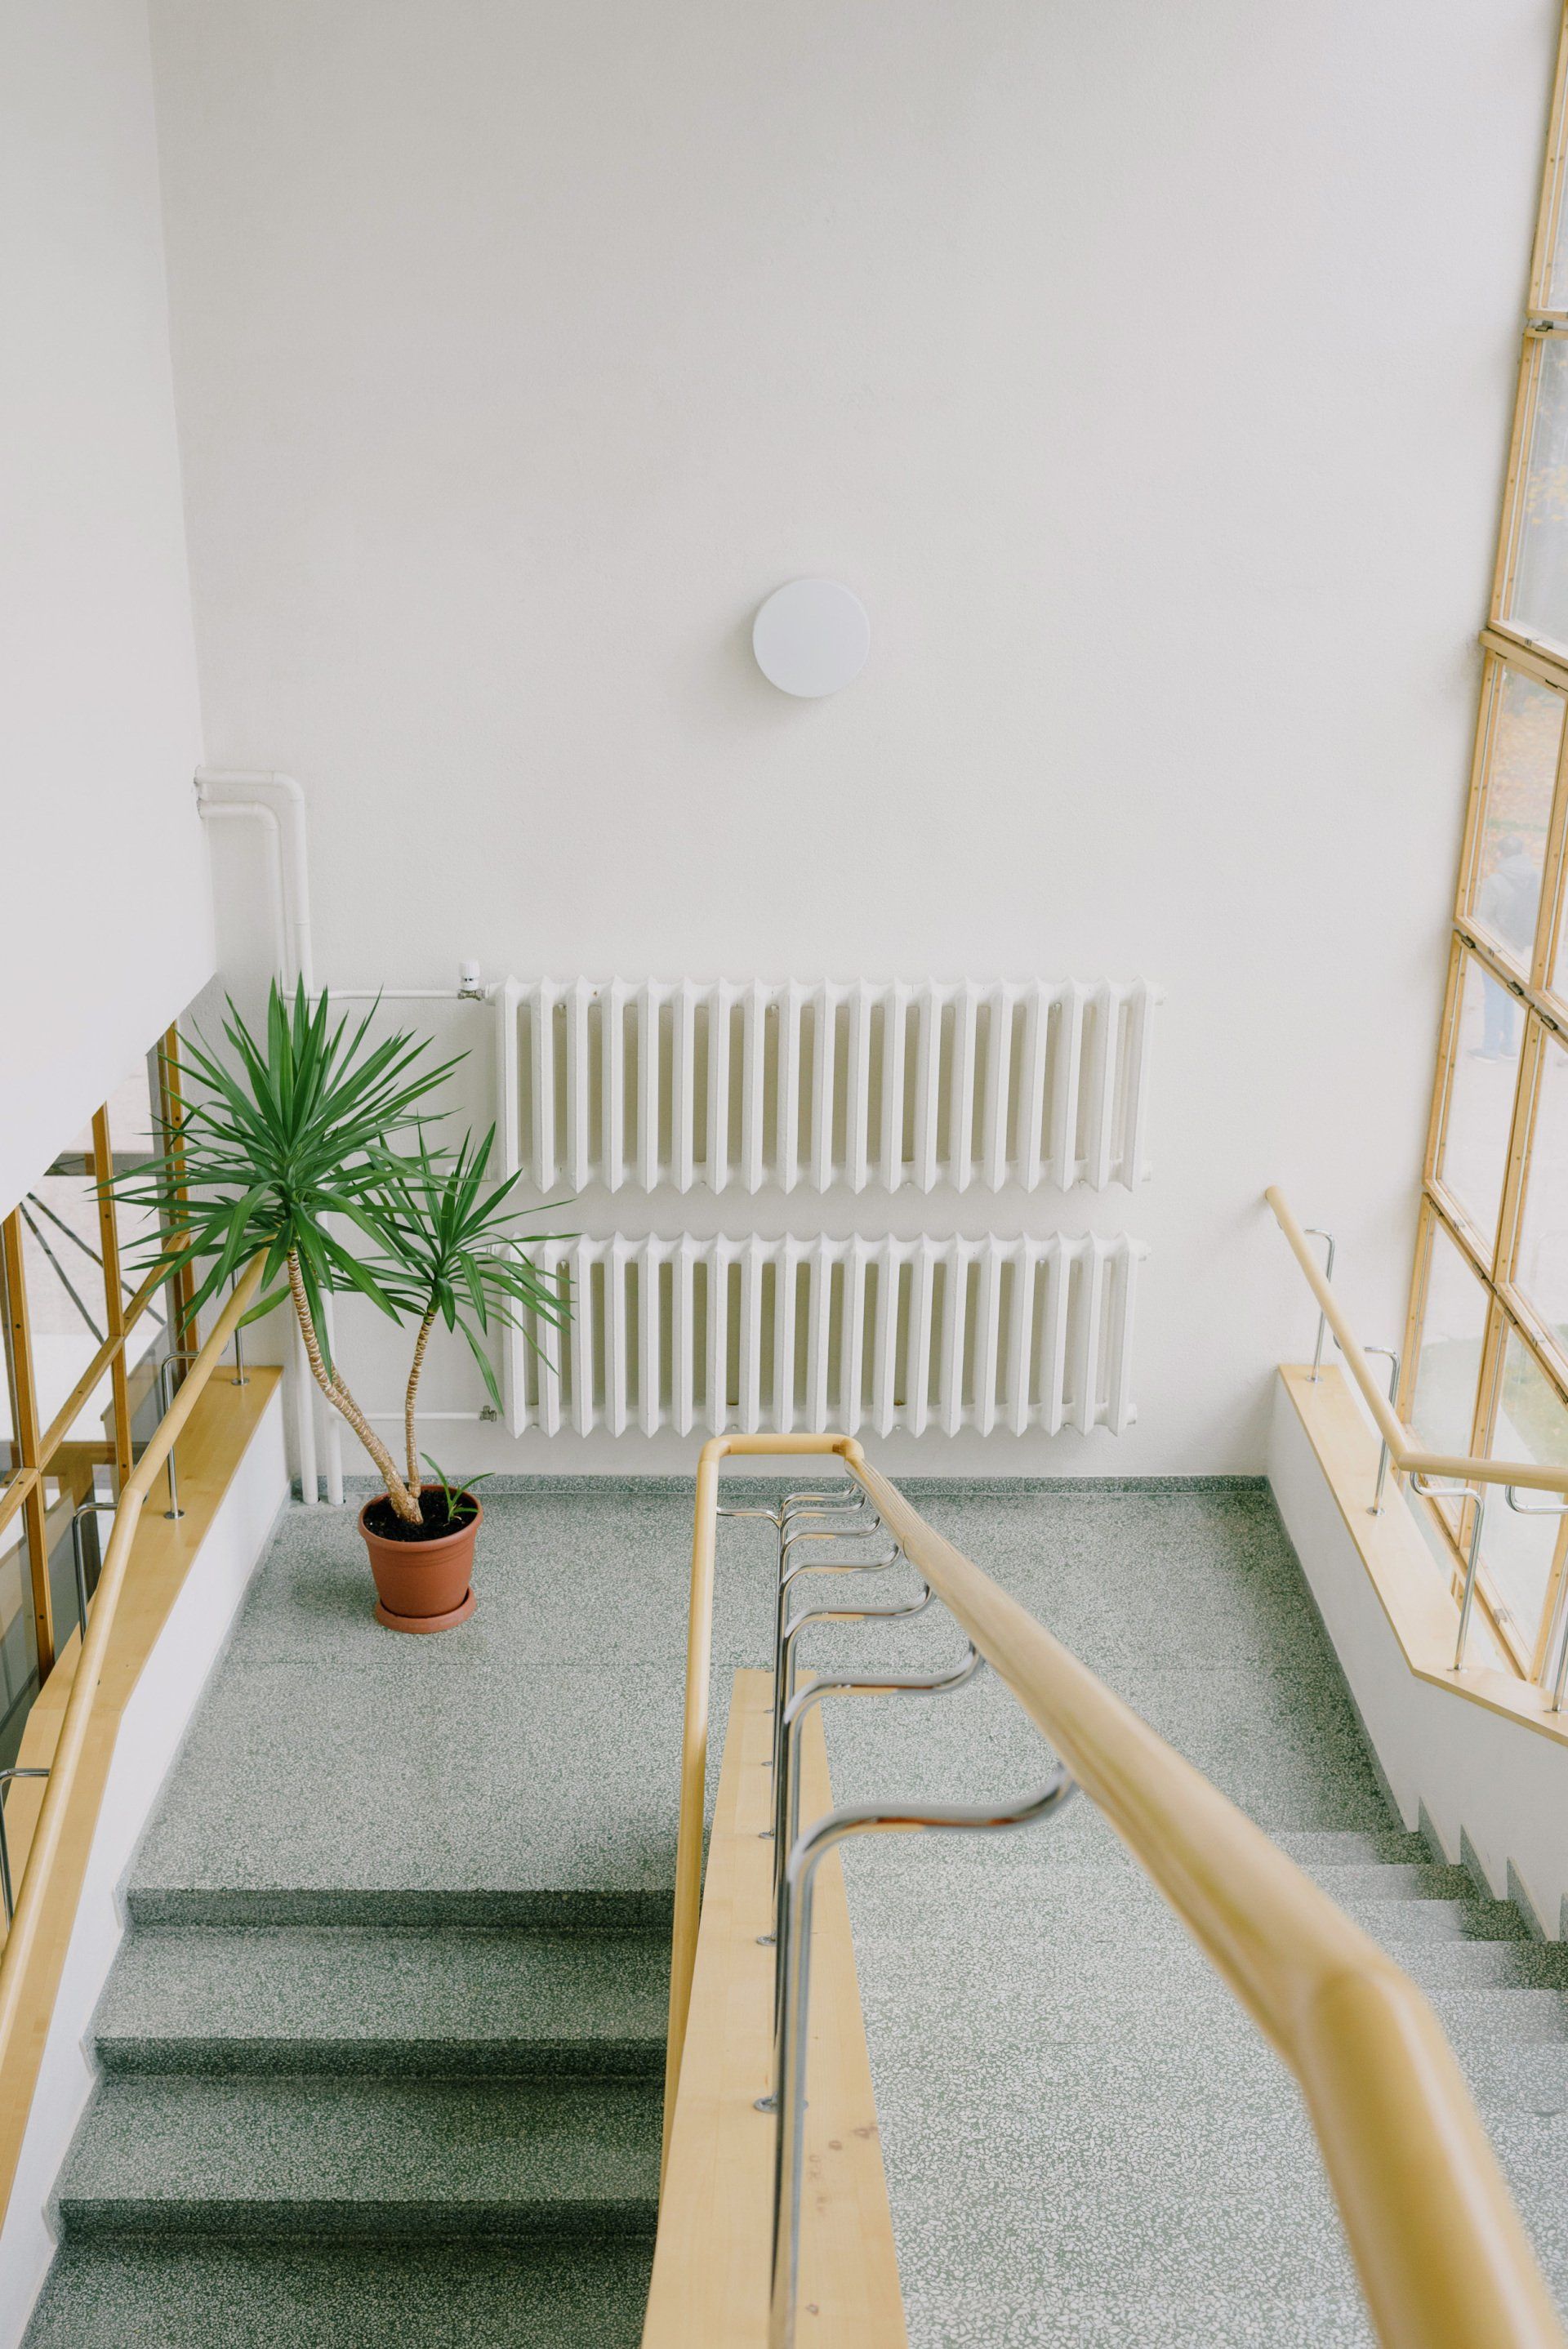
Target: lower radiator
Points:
(772, 1335)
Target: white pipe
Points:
(277, 800)
(333, 1424)
(304, 1417)
(262, 814)
(286, 801)
(415, 994)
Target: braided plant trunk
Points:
(403, 1495)
(413, 1388)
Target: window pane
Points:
(1541, 1269)
(18, 1647)
(1449, 1368)
(1557, 267)
(1531, 1424)
(1474, 1154)
(135, 1141)
(1525, 739)
(1539, 601)
(64, 1268)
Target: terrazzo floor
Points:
(1085, 2139)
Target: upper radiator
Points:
(659, 1081)
(778, 1334)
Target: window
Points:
(1486, 1356)
(84, 1335)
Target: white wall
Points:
(1146, 371)
(106, 926)
(157, 1715)
(1492, 1789)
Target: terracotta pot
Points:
(423, 1585)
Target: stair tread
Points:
(1390, 1881)
(365, 2155)
(307, 2296)
(409, 1999)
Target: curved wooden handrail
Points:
(1406, 1456)
(1442, 2255)
(24, 1943)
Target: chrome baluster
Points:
(1560, 1612)
(813, 1847)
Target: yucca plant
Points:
(289, 1137)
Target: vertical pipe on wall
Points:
(278, 801)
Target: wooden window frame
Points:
(1543, 1015)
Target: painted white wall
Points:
(1148, 373)
(1484, 1781)
(107, 931)
(156, 1717)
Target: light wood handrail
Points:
(23, 1944)
(1406, 1456)
(1443, 2258)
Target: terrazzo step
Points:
(364, 2160)
(1382, 1881)
(1452, 1965)
(426, 2001)
(1397, 1923)
(1474, 2015)
(313, 2296)
(1511, 2079)
(1352, 1847)
(570, 1908)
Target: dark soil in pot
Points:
(380, 1518)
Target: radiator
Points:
(779, 1334)
(650, 1083)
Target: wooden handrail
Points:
(1406, 1456)
(1443, 2258)
(23, 1944)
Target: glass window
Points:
(1447, 1368)
(18, 1646)
(63, 1265)
(1473, 1301)
(1523, 745)
(1540, 1266)
(1538, 604)
(1478, 1114)
(1530, 1423)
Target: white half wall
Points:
(1147, 372)
(106, 932)
(1494, 1790)
(154, 1722)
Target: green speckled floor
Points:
(380, 2056)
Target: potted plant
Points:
(287, 1152)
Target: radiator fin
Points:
(728, 1086)
(774, 1335)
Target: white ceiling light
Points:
(811, 637)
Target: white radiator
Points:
(658, 1082)
(782, 1334)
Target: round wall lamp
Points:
(811, 637)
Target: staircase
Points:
(365, 2134)
(373, 2075)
